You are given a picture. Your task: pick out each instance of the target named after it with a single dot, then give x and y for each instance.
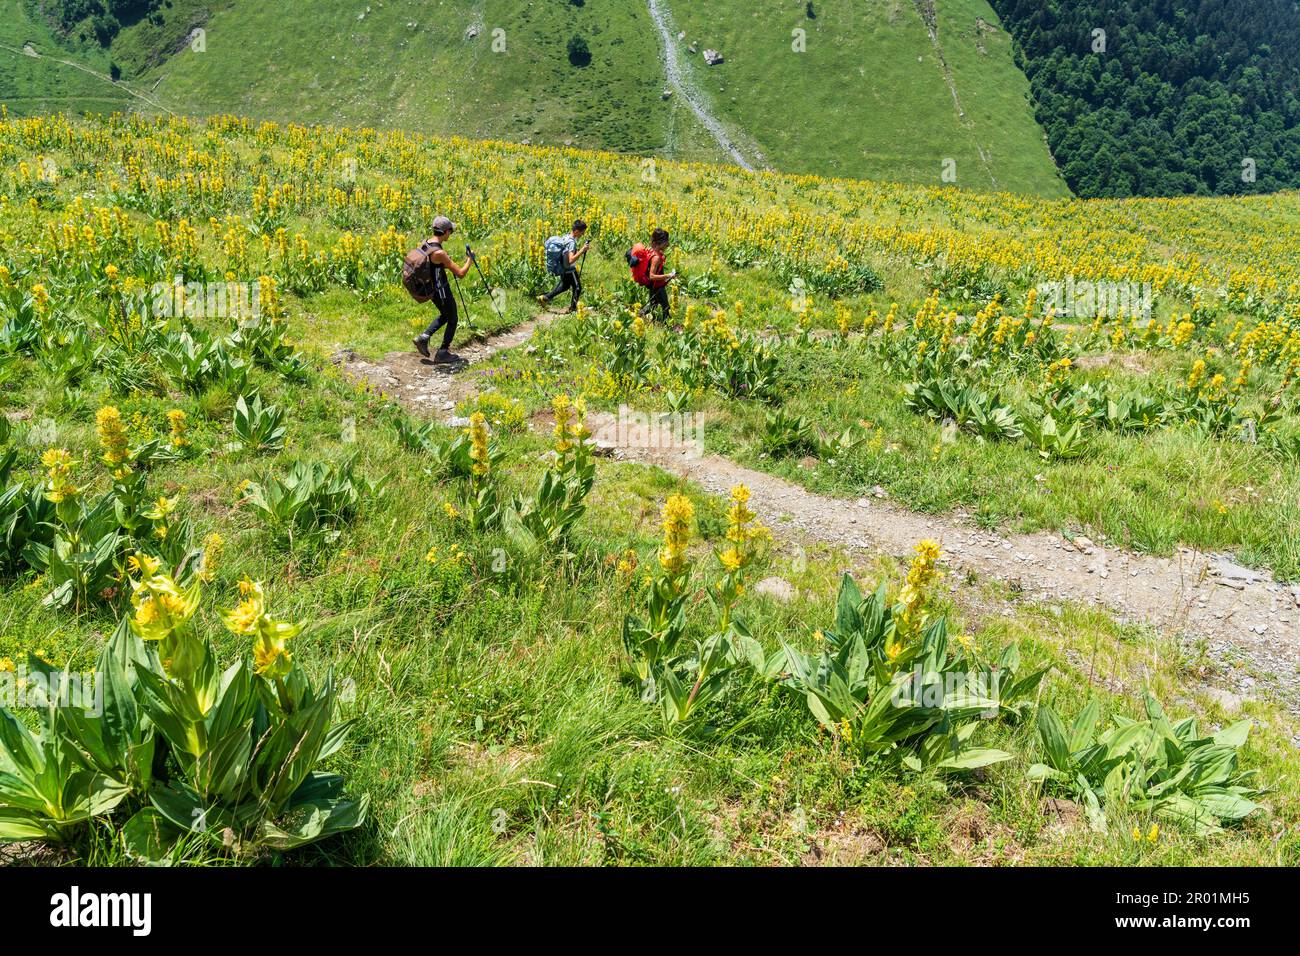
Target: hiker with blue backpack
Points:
(562, 257)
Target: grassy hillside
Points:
(36, 84)
(504, 702)
(431, 67)
(870, 98)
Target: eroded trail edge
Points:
(679, 80)
(1249, 623)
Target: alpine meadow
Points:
(646, 433)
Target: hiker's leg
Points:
(659, 300)
(577, 288)
(650, 306)
(436, 324)
(449, 319)
(560, 287)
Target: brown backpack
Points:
(417, 272)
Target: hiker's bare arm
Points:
(661, 275)
(441, 258)
(577, 254)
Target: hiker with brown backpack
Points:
(424, 273)
(648, 270)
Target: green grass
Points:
(858, 103)
(31, 85)
(495, 724)
(868, 97)
(493, 727)
(379, 71)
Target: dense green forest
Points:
(1172, 97)
(98, 20)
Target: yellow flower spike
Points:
(244, 618)
(627, 564)
(478, 436)
(161, 606)
(112, 437)
(564, 413)
(58, 484)
(177, 422)
(678, 514)
(213, 546)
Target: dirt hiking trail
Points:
(1245, 620)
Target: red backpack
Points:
(638, 258)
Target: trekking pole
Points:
(461, 295)
(486, 288)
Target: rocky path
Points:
(424, 385)
(1249, 623)
(680, 81)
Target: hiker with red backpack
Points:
(562, 257)
(424, 273)
(648, 270)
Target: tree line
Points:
(1164, 97)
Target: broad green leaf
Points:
(1083, 730)
(975, 757)
(1056, 747)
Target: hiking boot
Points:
(543, 301)
(442, 355)
(422, 345)
(568, 309)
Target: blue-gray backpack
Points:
(557, 255)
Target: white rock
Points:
(776, 588)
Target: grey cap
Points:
(442, 225)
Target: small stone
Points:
(1231, 571)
